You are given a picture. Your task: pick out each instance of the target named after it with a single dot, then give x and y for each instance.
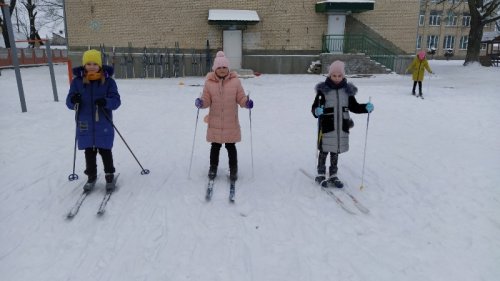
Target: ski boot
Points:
(212, 172)
(319, 178)
(89, 185)
(110, 185)
(333, 181)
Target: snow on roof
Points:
(232, 15)
(488, 36)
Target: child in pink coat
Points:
(222, 93)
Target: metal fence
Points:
(31, 56)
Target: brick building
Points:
(258, 28)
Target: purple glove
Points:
(198, 103)
(249, 104)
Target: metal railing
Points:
(31, 56)
(352, 44)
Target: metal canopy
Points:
(353, 6)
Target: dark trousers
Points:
(334, 158)
(91, 164)
(419, 87)
(231, 153)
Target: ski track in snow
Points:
(430, 184)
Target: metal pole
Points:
(15, 60)
(65, 26)
(51, 68)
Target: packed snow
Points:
(431, 183)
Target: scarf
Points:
(94, 76)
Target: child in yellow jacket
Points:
(418, 67)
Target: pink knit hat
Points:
(336, 67)
(421, 55)
(220, 61)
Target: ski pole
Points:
(143, 171)
(194, 138)
(364, 152)
(320, 132)
(74, 176)
(429, 84)
(251, 138)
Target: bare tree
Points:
(32, 13)
(52, 10)
(3, 24)
(482, 12)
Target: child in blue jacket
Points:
(94, 95)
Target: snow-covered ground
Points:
(432, 184)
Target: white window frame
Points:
(419, 42)
(464, 40)
(435, 18)
(448, 42)
(466, 20)
(451, 20)
(432, 41)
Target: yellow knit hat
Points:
(92, 56)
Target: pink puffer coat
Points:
(223, 98)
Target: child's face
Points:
(222, 71)
(91, 67)
(337, 77)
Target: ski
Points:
(74, 210)
(358, 205)
(338, 200)
(331, 194)
(87, 188)
(232, 191)
(110, 188)
(210, 189)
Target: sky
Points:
(430, 184)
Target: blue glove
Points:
(198, 103)
(318, 111)
(249, 104)
(369, 107)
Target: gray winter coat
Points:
(333, 126)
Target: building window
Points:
(421, 18)
(464, 40)
(451, 19)
(448, 42)
(434, 18)
(483, 46)
(466, 19)
(432, 42)
(419, 42)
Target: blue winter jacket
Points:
(94, 130)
